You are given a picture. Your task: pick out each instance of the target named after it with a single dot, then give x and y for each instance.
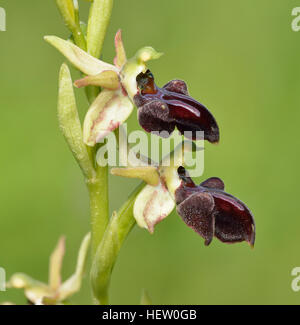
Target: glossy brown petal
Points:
(183, 111)
(232, 220)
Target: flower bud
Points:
(67, 10)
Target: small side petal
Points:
(177, 86)
(214, 182)
(107, 112)
(107, 79)
(152, 205)
(120, 58)
(79, 58)
(148, 174)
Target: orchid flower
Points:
(212, 212)
(156, 201)
(115, 102)
(161, 109)
(207, 208)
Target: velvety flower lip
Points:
(210, 211)
(161, 109)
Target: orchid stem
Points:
(107, 252)
(99, 205)
(79, 37)
(99, 17)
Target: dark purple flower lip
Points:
(161, 109)
(210, 211)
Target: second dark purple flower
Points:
(212, 212)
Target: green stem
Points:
(79, 37)
(76, 30)
(99, 205)
(107, 252)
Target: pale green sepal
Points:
(79, 58)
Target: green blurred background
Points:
(241, 59)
